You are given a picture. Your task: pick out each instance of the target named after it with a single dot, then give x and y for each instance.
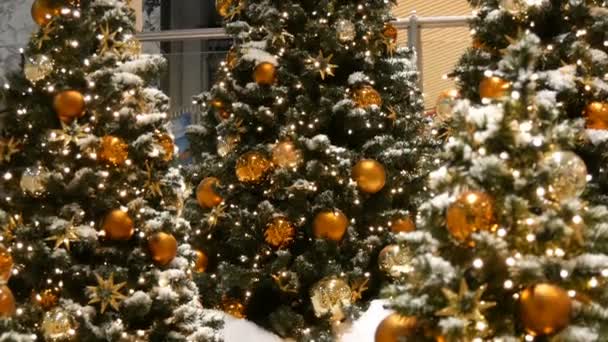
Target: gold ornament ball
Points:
(279, 232)
(113, 150)
(369, 175)
(163, 248)
(265, 73)
(395, 260)
(6, 264)
(58, 325)
(69, 105)
(596, 115)
(44, 10)
(568, 174)
(396, 327)
(473, 211)
(168, 147)
(445, 104)
(494, 88)
(286, 155)
(252, 167)
(37, 68)
(233, 307)
(7, 302)
(403, 225)
(201, 263)
(330, 224)
(545, 309)
(118, 225)
(330, 296)
(391, 32)
(206, 195)
(367, 96)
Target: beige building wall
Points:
(441, 48)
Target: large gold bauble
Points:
(69, 105)
(473, 211)
(113, 150)
(331, 295)
(330, 224)
(163, 248)
(568, 174)
(265, 73)
(403, 225)
(369, 175)
(367, 96)
(58, 325)
(494, 88)
(206, 195)
(118, 225)
(223, 6)
(286, 155)
(252, 167)
(44, 10)
(395, 260)
(233, 307)
(6, 264)
(168, 147)
(279, 232)
(201, 263)
(596, 114)
(7, 302)
(545, 309)
(396, 327)
(444, 108)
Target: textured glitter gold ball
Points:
(279, 232)
(118, 225)
(473, 211)
(286, 155)
(369, 175)
(163, 248)
(113, 150)
(252, 167)
(330, 224)
(545, 309)
(366, 96)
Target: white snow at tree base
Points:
(363, 330)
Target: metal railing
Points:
(413, 24)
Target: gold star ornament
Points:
(107, 39)
(106, 293)
(13, 223)
(64, 238)
(8, 148)
(466, 305)
(323, 65)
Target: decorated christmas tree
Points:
(572, 62)
(506, 250)
(91, 246)
(311, 149)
